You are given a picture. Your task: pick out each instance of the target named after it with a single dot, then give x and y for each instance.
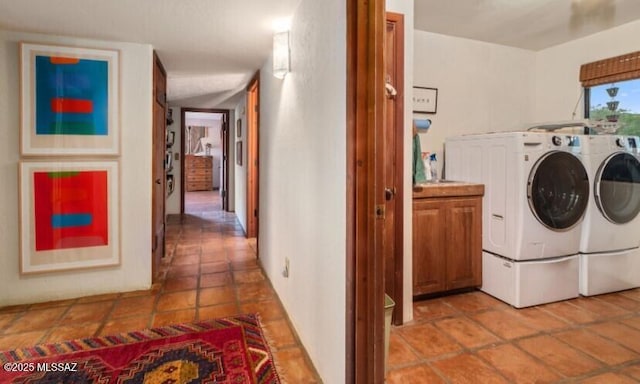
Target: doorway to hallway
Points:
(204, 165)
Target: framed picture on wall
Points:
(239, 128)
(239, 153)
(425, 100)
(69, 100)
(69, 215)
(171, 138)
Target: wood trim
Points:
(158, 177)
(448, 190)
(253, 166)
(182, 153)
(254, 79)
(183, 113)
(351, 229)
(365, 101)
(398, 20)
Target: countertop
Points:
(447, 188)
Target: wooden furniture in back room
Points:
(447, 237)
(199, 173)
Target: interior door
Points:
(158, 165)
(225, 164)
(392, 236)
(364, 354)
(253, 177)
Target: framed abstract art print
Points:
(69, 215)
(69, 101)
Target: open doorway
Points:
(204, 137)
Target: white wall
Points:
(558, 87)
(240, 171)
(172, 206)
(303, 182)
(482, 87)
(213, 137)
(135, 197)
(405, 7)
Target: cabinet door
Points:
(464, 242)
(429, 248)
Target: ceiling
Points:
(210, 48)
(528, 24)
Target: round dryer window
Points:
(617, 188)
(558, 190)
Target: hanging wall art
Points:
(69, 101)
(69, 215)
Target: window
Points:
(614, 107)
(612, 93)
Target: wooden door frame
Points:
(225, 136)
(365, 118)
(398, 265)
(183, 113)
(253, 159)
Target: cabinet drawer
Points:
(199, 178)
(199, 187)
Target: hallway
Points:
(210, 271)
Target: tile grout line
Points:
(568, 326)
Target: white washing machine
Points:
(609, 253)
(536, 194)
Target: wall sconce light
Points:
(281, 57)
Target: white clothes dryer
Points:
(536, 194)
(609, 254)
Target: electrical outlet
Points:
(285, 272)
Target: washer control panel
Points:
(566, 141)
(630, 144)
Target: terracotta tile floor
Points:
(210, 271)
(474, 338)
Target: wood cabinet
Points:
(199, 173)
(447, 237)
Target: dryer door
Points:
(617, 188)
(558, 190)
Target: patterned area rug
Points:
(230, 350)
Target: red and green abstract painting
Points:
(71, 209)
(72, 96)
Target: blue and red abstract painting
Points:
(72, 96)
(70, 209)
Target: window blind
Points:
(619, 68)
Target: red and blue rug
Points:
(229, 350)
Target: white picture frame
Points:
(71, 221)
(69, 101)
